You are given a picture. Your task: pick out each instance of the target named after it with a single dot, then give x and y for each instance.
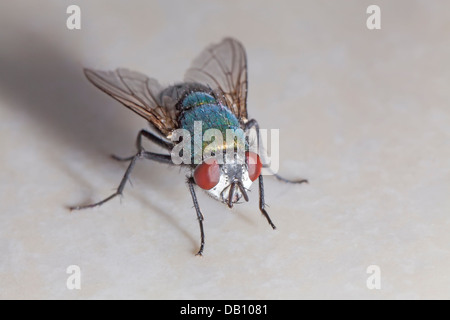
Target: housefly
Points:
(214, 93)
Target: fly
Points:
(214, 92)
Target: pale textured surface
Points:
(364, 115)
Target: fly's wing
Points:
(138, 93)
(223, 67)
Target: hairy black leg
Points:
(191, 183)
(150, 136)
(250, 124)
(147, 155)
(284, 179)
(253, 123)
(153, 138)
(262, 204)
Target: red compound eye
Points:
(254, 165)
(207, 174)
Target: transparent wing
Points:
(137, 92)
(223, 67)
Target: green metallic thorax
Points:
(200, 106)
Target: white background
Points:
(364, 115)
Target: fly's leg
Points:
(262, 204)
(191, 183)
(253, 123)
(150, 136)
(284, 179)
(118, 191)
(140, 155)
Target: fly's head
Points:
(228, 181)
